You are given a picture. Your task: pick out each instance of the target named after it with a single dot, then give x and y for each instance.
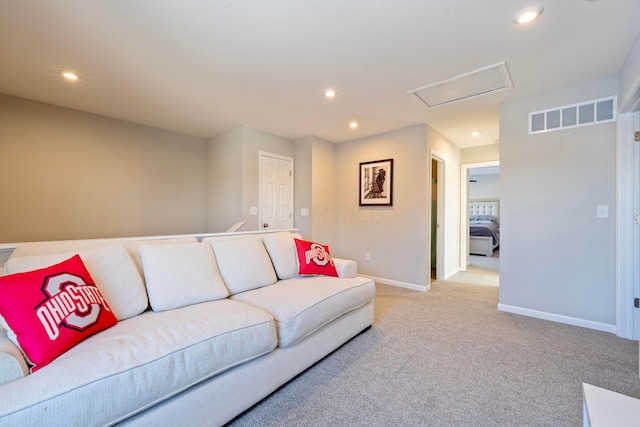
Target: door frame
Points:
(627, 232)
(464, 208)
(440, 217)
(261, 155)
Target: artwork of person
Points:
(380, 180)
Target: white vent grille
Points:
(588, 113)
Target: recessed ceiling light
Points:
(353, 125)
(329, 93)
(475, 133)
(528, 14)
(70, 76)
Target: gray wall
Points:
(303, 197)
(254, 142)
(70, 175)
(316, 189)
(224, 192)
(236, 153)
(74, 175)
(325, 189)
(396, 236)
(558, 258)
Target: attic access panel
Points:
(482, 82)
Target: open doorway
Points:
(436, 217)
(480, 217)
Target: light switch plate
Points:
(304, 212)
(253, 210)
(602, 211)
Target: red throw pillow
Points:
(52, 309)
(314, 258)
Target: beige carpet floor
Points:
(448, 357)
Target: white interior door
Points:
(276, 192)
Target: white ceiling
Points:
(203, 67)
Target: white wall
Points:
(558, 258)
(441, 147)
(629, 86)
(73, 175)
(485, 187)
(483, 153)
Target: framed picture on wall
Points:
(376, 183)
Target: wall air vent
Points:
(482, 82)
(588, 113)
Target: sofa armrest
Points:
(13, 365)
(345, 267)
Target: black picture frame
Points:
(376, 183)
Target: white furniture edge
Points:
(6, 249)
(606, 408)
(483, 245)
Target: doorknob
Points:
(265, 225)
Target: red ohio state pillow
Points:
(52, 309)
(314, 258)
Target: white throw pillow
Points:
(111, 267)
(282, 251)
(178, 275)
(244, 263)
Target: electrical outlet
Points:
(367, 256)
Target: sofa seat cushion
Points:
(139, 362)
(303, 305)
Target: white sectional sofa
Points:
(205, 330)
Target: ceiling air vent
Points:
(588, 113)
(482, 82)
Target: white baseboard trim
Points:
(447, 276)
(604, 327)
(397, 283)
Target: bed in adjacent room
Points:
(484, 227)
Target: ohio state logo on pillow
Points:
(314, 258)
(52, 309)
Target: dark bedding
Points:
(485, 228)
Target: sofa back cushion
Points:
(112, 269)
(75, 246)
(181, 274)
(243, 262)
(282, 251)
